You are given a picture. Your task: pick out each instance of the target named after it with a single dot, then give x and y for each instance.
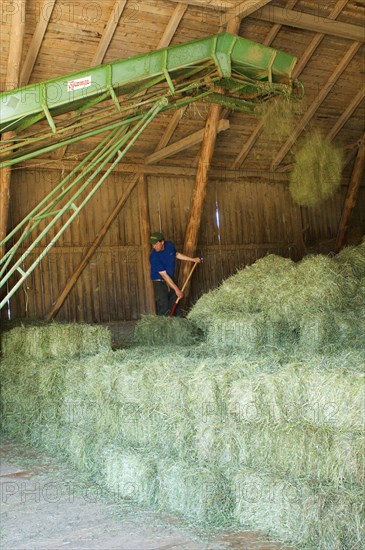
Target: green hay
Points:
(246, 334)
(130, 475)
(316, 175)
(279, 117)
(153, 330)
(183, 423)
(318, 390)
(300, 451)
(56, 340)
(308, 515)
(195, 492)
(277, 303)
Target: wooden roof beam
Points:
(242, 155)
(310, 22)
(244, 8)
(346, 114)
(12, 81)
(36, 42)
(351, 197)
(142, 191)
(184, 143)
(317, 102)
(109, 31)
(297, 70)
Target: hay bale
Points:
(246, 334)
(55, 340)
(154, 330)
(316, 175)
(197, 493)
(129, 475)
(305, 514)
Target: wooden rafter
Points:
(172, 25)
(249, 144)
(142, 189)
(244, 8)
(183, 144)
(347, 113)
(160, 170)
(352, 194)
(325, 90)
(214, 5)
(12, 81)
(36, 42)
(110, 27)
(242, 155)
(310, 22)
(108, 33)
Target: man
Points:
(162, 260)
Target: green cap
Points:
(156, 237)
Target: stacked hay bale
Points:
(262, 432)
(274, 303)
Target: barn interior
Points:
(236, 129)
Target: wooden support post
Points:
(205, 158)
(12, 81)
(351, 197)
(89, 254)
(201, 181)
(145, 238)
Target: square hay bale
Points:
(154, 330)
(301, 451)
(246, 334)
(55, 340)
(322, 390)
(305, 514)
(317, 331)
(130, 475)
(196, 492)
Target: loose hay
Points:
(316, 175)
(278, 117)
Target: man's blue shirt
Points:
(163, 261)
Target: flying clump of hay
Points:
(278, 117)
(317, 171)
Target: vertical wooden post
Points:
(12, 81)
(201, 181)
(145, 237)
(351, 196)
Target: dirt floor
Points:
(45, 505)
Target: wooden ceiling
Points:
(328, 38)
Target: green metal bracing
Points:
(122, 98)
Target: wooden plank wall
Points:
(242, 221)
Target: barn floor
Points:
(46, 506)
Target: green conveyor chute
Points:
(243, 62)
(118, 101)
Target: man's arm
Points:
(181, 256)
(171, 284)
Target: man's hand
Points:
(178, 293)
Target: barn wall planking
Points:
(242, 221)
